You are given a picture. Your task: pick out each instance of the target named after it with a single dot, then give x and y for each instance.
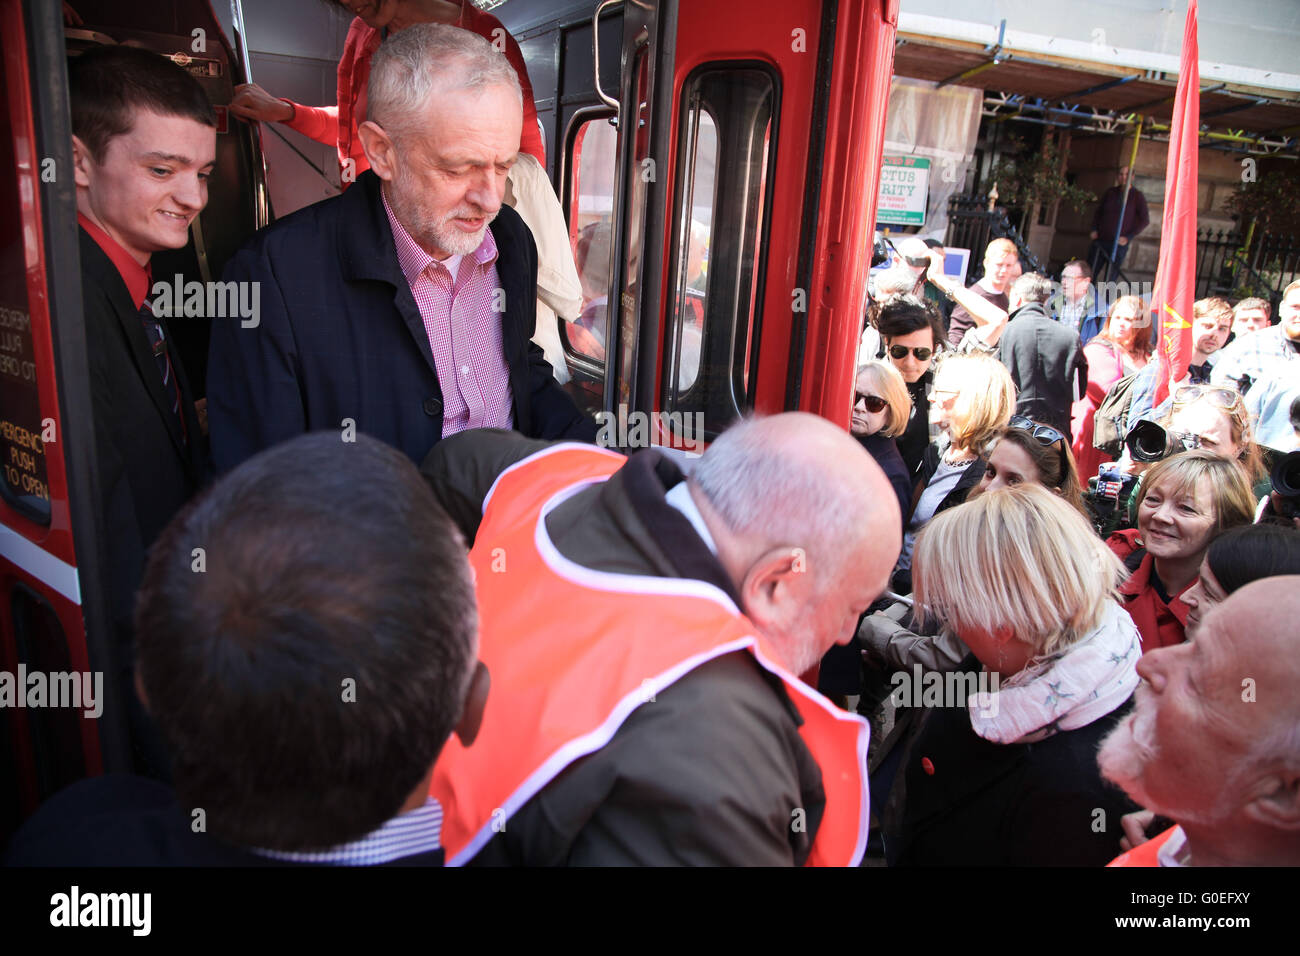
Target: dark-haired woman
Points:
(1236, 558)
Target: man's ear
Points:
(471, 718)
(772, 590)
(1276, 804)
(81, 162)
(139, 690)
(379, 149)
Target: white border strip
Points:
(40, 564)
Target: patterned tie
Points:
(153, 330)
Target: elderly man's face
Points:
(1177, 751)
(451, 168)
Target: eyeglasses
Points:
(874, 403)
(917, 263)
(899, 352)
(1225, 398)
(1043, 434)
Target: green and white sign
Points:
(904, 189)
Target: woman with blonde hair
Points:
(1007, 775)
(1185, 503)
(881, 409)
(1123, 348)
(972, 399)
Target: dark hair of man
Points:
(905, 314)
(306, 678)
(1084, 269)
(1253, 551)
(109, 85)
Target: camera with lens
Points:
(1284, 502)
(1147, 441)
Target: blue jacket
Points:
(339, 336)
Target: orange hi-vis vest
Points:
(573, 652)
(1145, 854)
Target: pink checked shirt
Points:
(464, 330)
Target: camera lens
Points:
(1286, 475)
(1147, 441)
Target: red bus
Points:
(731, 154)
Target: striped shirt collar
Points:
(416, 831)
(414, 260)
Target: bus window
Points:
(590, 210)
(695, 231)
(23, 481)
(724, 173)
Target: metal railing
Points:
(1225, 268)
(972, 226)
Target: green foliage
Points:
(1272, 202)
(1030, 176)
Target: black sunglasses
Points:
(874, 403)
(1044, 434)
(899, 352)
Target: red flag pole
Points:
(1175, 286)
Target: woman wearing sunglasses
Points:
(1027, 453)
(1123, 348)
(972, 400)
(1215, 418)
(881, 407)
(910, 332)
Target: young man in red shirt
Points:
(144, 144)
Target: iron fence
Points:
(971, 226)
(1226, 268)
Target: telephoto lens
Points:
(1286, 484)
(1147, 441)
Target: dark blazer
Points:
(340, 337)
(119, 820)
(1046, 362)
(146, 472)
(971, 802)
(885, 452)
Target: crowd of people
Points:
(1044, 394)
(437, 624)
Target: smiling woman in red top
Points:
(1187, 501)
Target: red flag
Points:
(1175, 288)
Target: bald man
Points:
(1214, 739)
(647, 630)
